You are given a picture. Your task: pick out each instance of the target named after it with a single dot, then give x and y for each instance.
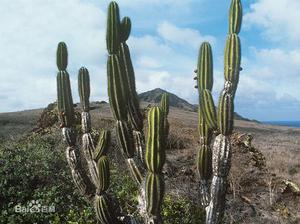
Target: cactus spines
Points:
(204, 162)
(64, 99)
(232, 58)
(103, 207)
(125, 28)
(154, 193)
(102, 146)
(103, 174)
(125, 139)
(235, 16)
(64, 93)
(113, 28)
(155, 152)
(154, 159)
(135, 171)
(208, 108)
(84, 88)
(116, 92)
(128, 75)
(164, 104)
(205, 67)
(62, 56)
(205, 132)
(225, 113)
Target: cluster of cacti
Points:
(145, 162)
(145, 166)
(129, 121)
(217, 162)
(94, 185)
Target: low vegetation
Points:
(35, 168)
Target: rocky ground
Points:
(265, 165)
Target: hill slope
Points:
(154, 96)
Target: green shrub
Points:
(182, 211)
(37, 170)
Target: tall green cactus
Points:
(146, 162)
(205, 68)
(164, 106)
(125, 107)
(84, 88)
(94, 185)
(155, 159)
(206, 112)
(220, 123)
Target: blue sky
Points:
(164, 44)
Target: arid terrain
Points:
(265, 159)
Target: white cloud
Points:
(164, 54)
(28, 46)
(279, 19)
(183, 36)
(30, 31)
(268, 87)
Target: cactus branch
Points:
(223, 122)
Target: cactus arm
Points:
(232, 61)
(235, 16)
(125, 28)
(208, 109)
(221, 157)
(205, 68)
(66, 114)
(119, 87)
(155, 158)
(206, 112)
(123, 99)
(84, 88)
(96, 158)
(93, 188)
(164, 106)
(225, 113)
(113, 31)
(122, 93)
(135, 117)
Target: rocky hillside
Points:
(154, 96)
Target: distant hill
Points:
(154, 96)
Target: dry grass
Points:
(255, 193)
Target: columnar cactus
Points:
(146, 162)
(67, 117)
(164, 106)
(220, 123)
(155, 159)
(124, 104)
(95, 186)
(204, 155)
